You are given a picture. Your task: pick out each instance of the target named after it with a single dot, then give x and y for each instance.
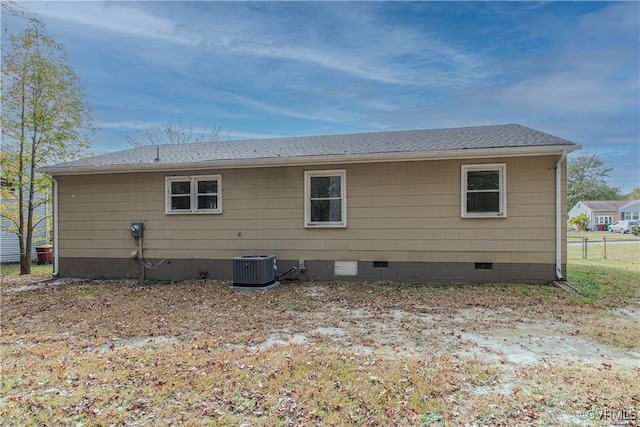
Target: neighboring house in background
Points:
(466, 205)
(598, 211)
(630, 210)
(9, 243)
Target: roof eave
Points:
(463, 154)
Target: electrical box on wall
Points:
(137, 229)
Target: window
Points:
(484, 191)
(193, 194)
(604, 219)
(325, 201)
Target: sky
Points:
(276, 69)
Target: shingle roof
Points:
(604, 205)
(374, 143)
(632, 206)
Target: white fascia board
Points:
(481, 153)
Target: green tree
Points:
(634, 195)
(587, 180)
(45, 119)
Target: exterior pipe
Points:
(559, 215)
(141, 253)
(56, 257)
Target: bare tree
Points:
(174, 133)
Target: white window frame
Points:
(342, 173)
(604, 219)
(501, 168)
(193, 195)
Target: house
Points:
(599, 212)
(630, 210)
(464, 205)
(9, 243)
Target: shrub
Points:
(580, 221)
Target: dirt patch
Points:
(544, 341)
(632, 312)
(279, 338)
(22, 284)
(494, 335)
(134, 342)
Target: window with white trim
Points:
(325, 198)
(193, 194)
(484, 191)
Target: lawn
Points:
(306, 353)
(12, 270)
(625, 256)
(578, 236)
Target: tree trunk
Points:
(30, 207)
(25, 262)
(25, 250)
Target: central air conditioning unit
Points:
(254, 270)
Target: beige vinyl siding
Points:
(401, 211)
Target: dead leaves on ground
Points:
(194, 353)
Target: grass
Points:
(12, 270)
(577, 236)
(610, 281)
(607, 282)
(601, 255)
(196, 353)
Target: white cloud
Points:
(369, 48)
(584, 71)
(128, 124)
(114, 17)
(359, 45)
(571, 92)
(322, 114)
